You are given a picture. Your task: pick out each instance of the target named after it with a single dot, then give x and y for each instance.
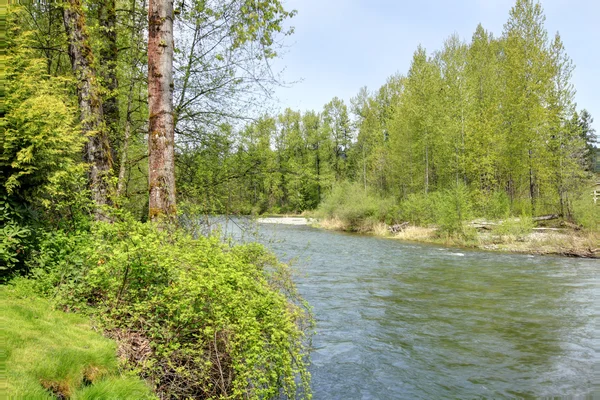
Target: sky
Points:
(340, 46)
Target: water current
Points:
(397, 320)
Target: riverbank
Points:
(563, 242)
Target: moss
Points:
(154, 212)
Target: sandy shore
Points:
(284, 220)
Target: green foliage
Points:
(418, 209)
(495, 205)
(49, 353)
(585, 212)
(353, 206)
(517, 227)
(40, 145)
(221, 322)
(16, 238)
(448, 209)
(453, 209)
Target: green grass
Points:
(48, 354)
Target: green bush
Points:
(418, 209)
(492, 205)
(221, 322)
(517, 227)
(448, 209)
(585, 212)
(350, 203)
(17, 238)
(453, 209)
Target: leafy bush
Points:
(356, 208)
(585, 212)
(494, 205)
(449, 209)
(17, 238)
(219, 321)
(418, 209)
(517, 227)
(453, 208)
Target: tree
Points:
(484, 139)
(589, 136)
(337, 124)
(527, 74)
(161, 135)
(97, 149)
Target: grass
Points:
(48, 354)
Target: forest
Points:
(492, 121)
(96, 97)
(124, 121)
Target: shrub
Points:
(585, 212)
(418, 209)
(453, 208)
(356, 208)
(449, 209)
(17, 238)
(494, 205)
(220, 322)
(517, 227)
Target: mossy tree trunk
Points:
(97, 149)
(107, 18)
(161, 135)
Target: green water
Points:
(406, 321)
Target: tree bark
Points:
(107, 18)
(161, 136)
(97, 149)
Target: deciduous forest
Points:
(124, 120)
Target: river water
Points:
(397, 320)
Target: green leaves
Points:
(222, 322)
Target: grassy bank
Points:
(51, 354)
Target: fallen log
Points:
(546, 217)
(549, 229)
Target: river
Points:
(397, 320)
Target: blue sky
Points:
(341, 45)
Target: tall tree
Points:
(161, 135)
(589, 136)
(484, 120)
(97, 149)
(337, 124)
(527, 79)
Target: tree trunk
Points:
(161, 135)
(108, 53)
(97, 149)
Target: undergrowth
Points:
(195, 317)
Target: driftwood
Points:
(484, 225)
(582, 253)
(488, 226)
(546, 217)
(397, 227)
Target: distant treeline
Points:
(496, 115)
